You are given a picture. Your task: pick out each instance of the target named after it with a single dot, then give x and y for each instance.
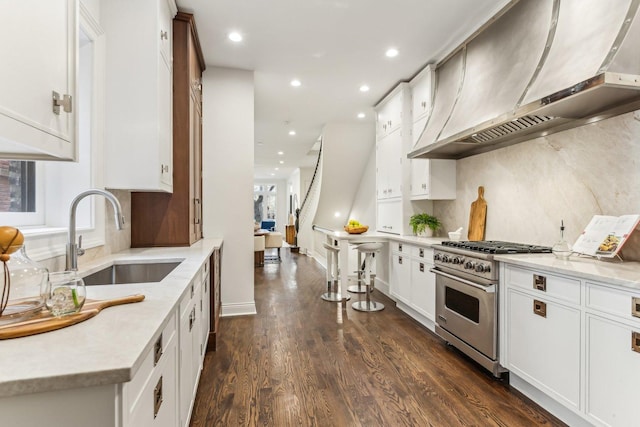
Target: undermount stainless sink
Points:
(119, 274)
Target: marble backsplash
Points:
(530, 187)
(115, 240)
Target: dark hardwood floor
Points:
(303, 361)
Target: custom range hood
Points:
(541, 66)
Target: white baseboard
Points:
(238, 309)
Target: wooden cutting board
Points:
(45, 322)
(477, 217)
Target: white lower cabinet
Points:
(150, 398)
(543, 345)
(423, 288)
(613, 372)
(189, 354)
(572, 345)
(411, 283)
(400, 277)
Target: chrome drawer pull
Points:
(421, 268)
(635, 341)
(399, 247)
(157, 398)
(421, 254)
(540, 308)
(399, 260)
(635, 307)
(540, 282)
(157, 351)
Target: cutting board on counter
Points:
(45, 322)
(477, 217)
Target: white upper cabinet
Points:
(139, 106)
(422, 95)
(389, 115)
(433, 179)
(39, 57)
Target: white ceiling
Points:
(333, 47)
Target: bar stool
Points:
(359, 288)
(332, 275)
(368, 249)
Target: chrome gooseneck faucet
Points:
(74, 249)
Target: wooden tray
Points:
(45, 322)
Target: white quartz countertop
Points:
(108, 348)
(381, 237)
(625, 274)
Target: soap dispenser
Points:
(561, 248)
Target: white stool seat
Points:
(370, 247)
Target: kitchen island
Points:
(91, 363)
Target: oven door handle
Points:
(488, 289)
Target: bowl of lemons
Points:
(354, 227)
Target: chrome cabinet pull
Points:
(635, 341)
(635, 307)
(421, 267)
(157, 350)
(540, 308)
(421, 253)
(540, 282)
(164, 35)
(399, 247)
(196, 216)
(157, 398)
(65, 102)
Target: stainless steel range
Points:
(467, 296)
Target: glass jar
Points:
(28, 287)
(67, 293)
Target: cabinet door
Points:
(543, 345)
(433, 179)
(419, 172)
(613, 372)
(389, 218)
(186, 368)
(389, 169)
(205, 306)
(165, 133)
(39, 53)
(196, 169)
(423, 289)
(422, 94)
(400, 278)
(389, 116)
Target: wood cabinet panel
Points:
(175, 219)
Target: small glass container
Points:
(561, 249)
(67, 293)
(27, 287)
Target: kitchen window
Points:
(36, 196)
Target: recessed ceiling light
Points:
(391, 52)
(276, 169)
(361, 115)
(364, 88)
(272, 174)
(280, 153)
(292, 132)
(295, 83)
(282, 162)
(235, 36)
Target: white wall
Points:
(346, 151)
(571, 175)
(227, 180)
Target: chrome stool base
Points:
(367, 306)
(357, 289)
(334, 297)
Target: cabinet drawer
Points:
(400, 247)
(422, 253)
(544, 284)
(161, 345)
(613, 301)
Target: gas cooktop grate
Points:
(498, 247)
